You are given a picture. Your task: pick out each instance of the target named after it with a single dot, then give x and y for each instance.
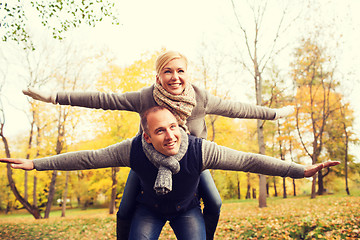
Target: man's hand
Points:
(283, 112)
(24, 164)
(40, 95)
(313, 169)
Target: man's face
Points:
(164, 132)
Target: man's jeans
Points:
(207, 191)
(146, 224)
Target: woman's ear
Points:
(147, 137)
(158, 79)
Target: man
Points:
(168, 163)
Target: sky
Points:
(184, 26)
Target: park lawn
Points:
(326, 217)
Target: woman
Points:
(189, 104)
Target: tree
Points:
(317, 101)
(346, 147)
(340, 134)
(213, 76)
(259, 58)
(119, 125)
(71, 75)
(33, 210)
(56, 16)
(40, 70)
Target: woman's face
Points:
(173, 76)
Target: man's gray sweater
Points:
(213, 157)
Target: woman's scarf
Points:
(167, 165)
(180, 105)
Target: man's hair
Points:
(144, 115)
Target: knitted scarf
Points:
(180, 105)
(167, 165)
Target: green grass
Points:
(54, 213)
(325, 217)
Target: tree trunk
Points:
(346, 159)
(275, 189)
(58, 150)
(112, 207)
(260, 131)
(254, 193)
(238, 187)
(284, 188)
(26, 185)
(28, 156)
(248, 194)
(313, 186)
(34, 211)
(321, 189)
(65, 193)
(51, 194)
(294, 187)
(262, 178)
(38, 140)
(34, 192)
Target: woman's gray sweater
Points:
(213, 157)
(142, 100)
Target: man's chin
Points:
(172, 152)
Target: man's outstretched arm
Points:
(117, 155)
(219, 157)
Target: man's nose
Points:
(169, 134)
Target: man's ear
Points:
(147, 137)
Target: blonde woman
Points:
(188, 103)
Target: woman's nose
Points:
(175, 76)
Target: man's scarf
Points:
(167, 165)
(180, 105)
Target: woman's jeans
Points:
(207, 191)
(147, 224)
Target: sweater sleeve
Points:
(129, 101)
(219, 157)
(117, 155)
(218, 106)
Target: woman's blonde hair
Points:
(166, 57)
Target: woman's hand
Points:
(284, 112)
(40, 95)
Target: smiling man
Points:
(169, 163)
(162, 131)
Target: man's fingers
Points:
(330, 163)
(10, 160)
(18, 166)
(313, 169)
